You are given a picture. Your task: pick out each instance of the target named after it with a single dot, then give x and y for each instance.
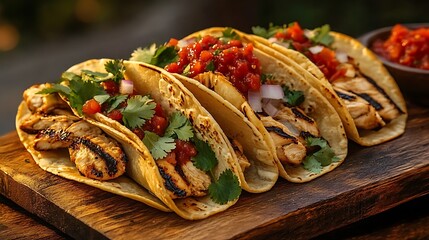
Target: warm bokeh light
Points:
(87, 10)
(9, 37)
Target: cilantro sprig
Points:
(179, 127)
(158, 146)
(291, 97)
(324, 156)
(267, 32)
(138, 110)
(322, 36)
(116, 68)
(159, 56)
(229, 34)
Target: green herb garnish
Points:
(116, 68)
(158, 146)
(179, 127)
(226, 188)
(138, 110)
(229, 34)
(322, 36)
(293, 98)
(158, 56)
(320, 158)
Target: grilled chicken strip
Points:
(367, 89)
(298, 119)
(242, 159)
(96, 155)
(183, 181)
(288, 148)
(37, 122)
(364, 114)
(42, 103)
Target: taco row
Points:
(187, 125)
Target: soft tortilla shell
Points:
(369, 65)
(315, 105)
(58, 162)
(173, 96)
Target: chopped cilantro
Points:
(293, 98)
(226, 188)
(88, 75)
(320, 158)
(144, 55)
(116, 68)
(158, 146)
(322, 35)
(266, 77)
(158, 56)
(205, 160)
(210, 66)
(179, 127)
(101, 98)
(266, 33)
(228, 34)
(115, 101)
(138, 110)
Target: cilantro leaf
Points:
(293, 98)
(164, 55)
(101, 98)
(228, 34)
(322, 157)
(158, 146)
(138, 110)
(210, 66)
(322, 35)
(205, 160)
(226, 188)
(144, 55)
(179, 127)
(311, 164)
(266, 33)
(117, 68)
(115, 101)
(56, 88)
(88, 75)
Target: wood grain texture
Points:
(15, 224)
(370, 181)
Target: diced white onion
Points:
(185, 42)
(126, 87)
(316, 49)
(309, 33)
(272, 91)
(341, 57)
(270, 109)
(254, 98)
(272, 39)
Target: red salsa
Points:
(233, 59)
(405, 46)
(325, 59)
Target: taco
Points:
(185, 159)
(301, 128)
(348, 74)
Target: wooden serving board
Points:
(370, 181)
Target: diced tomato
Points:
(159, 111)
(206, 56)
(139, 132)
(173, 68)
(184, 151)
(110, 87)
(172, 42)
(91, 107)
(296, 33)
(115, 114)
(340, 73)
(171, 158)
(156, 125)
(235, 43)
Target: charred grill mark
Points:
(381, 90)
(345, 96)
(281, 133)
(60, 135)
(170, 185)
(110, 161)
(179, 170)
(299, 114)
(306, 135)
(97, 173)
(371, 101)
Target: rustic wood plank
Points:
(16, 224)
(370, 181)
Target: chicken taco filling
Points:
(296, 136)
(369, 105)
(185, 162)
(95, 154)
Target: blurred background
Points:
(41, 39)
